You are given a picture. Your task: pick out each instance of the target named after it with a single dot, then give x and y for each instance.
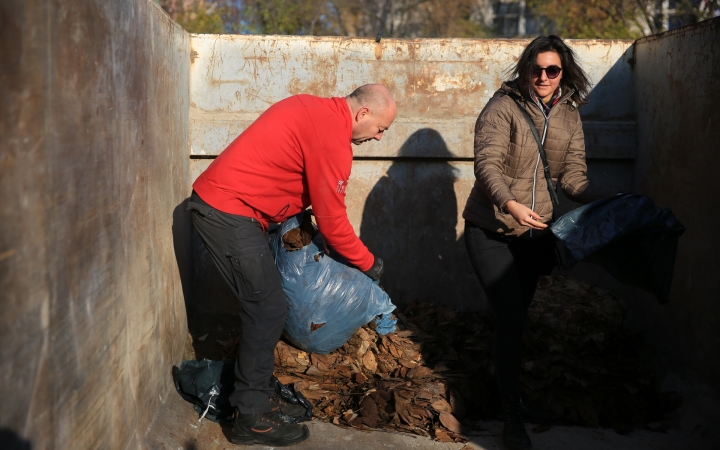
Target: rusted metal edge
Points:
(710, 23)
(385, 40)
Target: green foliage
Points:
(618, 19)
(201, 19)
(590, 19)
(285, 16)
(580, 19)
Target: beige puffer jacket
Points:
(508, 165)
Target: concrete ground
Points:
(176, 427)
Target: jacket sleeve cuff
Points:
(504, 202)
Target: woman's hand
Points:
(524, 215)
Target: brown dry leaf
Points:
(410, 364)
(441, 405)
(396, 352)
(349, 415)
(318, 360)
(385, 363)
(369, 362)
(360, 378)
(420, 372)
(405, 416)
(288, 379)
(442, 435)
(450, 422)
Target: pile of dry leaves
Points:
(434, 376)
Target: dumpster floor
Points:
(176, 427)
(695, 425)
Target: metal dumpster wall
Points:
(93, 161)
(406, 193)
(677, 92)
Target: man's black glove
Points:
(376, 270)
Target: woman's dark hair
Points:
(573, 77)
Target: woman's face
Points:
(544, 86)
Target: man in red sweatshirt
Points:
(296, 154)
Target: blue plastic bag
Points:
(208, 384)
(327, 299)
(634, 240)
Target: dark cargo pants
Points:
(241, 252)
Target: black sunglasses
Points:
(552, 72)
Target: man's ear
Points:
(361, 113)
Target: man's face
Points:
(368, 125)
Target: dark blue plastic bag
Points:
(208, 384)
(327, 299)
(634, 240)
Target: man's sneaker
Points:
(294, 412)
(267, 428)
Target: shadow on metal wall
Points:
(410, 220)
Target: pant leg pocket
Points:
(255, 273)
(203, 210)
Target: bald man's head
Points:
(374, 96)
(373, 109)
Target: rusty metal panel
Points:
(439, 84)
(93, 162)
(610, 140)
(677, 82)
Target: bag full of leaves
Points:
(328, 300)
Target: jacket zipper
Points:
(542, 141)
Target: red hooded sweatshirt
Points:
(297, 153)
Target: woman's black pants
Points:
(508, 269)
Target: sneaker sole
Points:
(250, 440)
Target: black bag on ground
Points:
(630, 237)
(208, 384)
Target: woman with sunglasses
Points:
(510, 205)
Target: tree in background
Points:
(452, 18)
(409, 18)
(302, 17)
(591, 19)
(389, 18)
(362, 18)
(692, 11)
(620, 19)
(198, 16)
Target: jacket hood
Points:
(511, 88)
